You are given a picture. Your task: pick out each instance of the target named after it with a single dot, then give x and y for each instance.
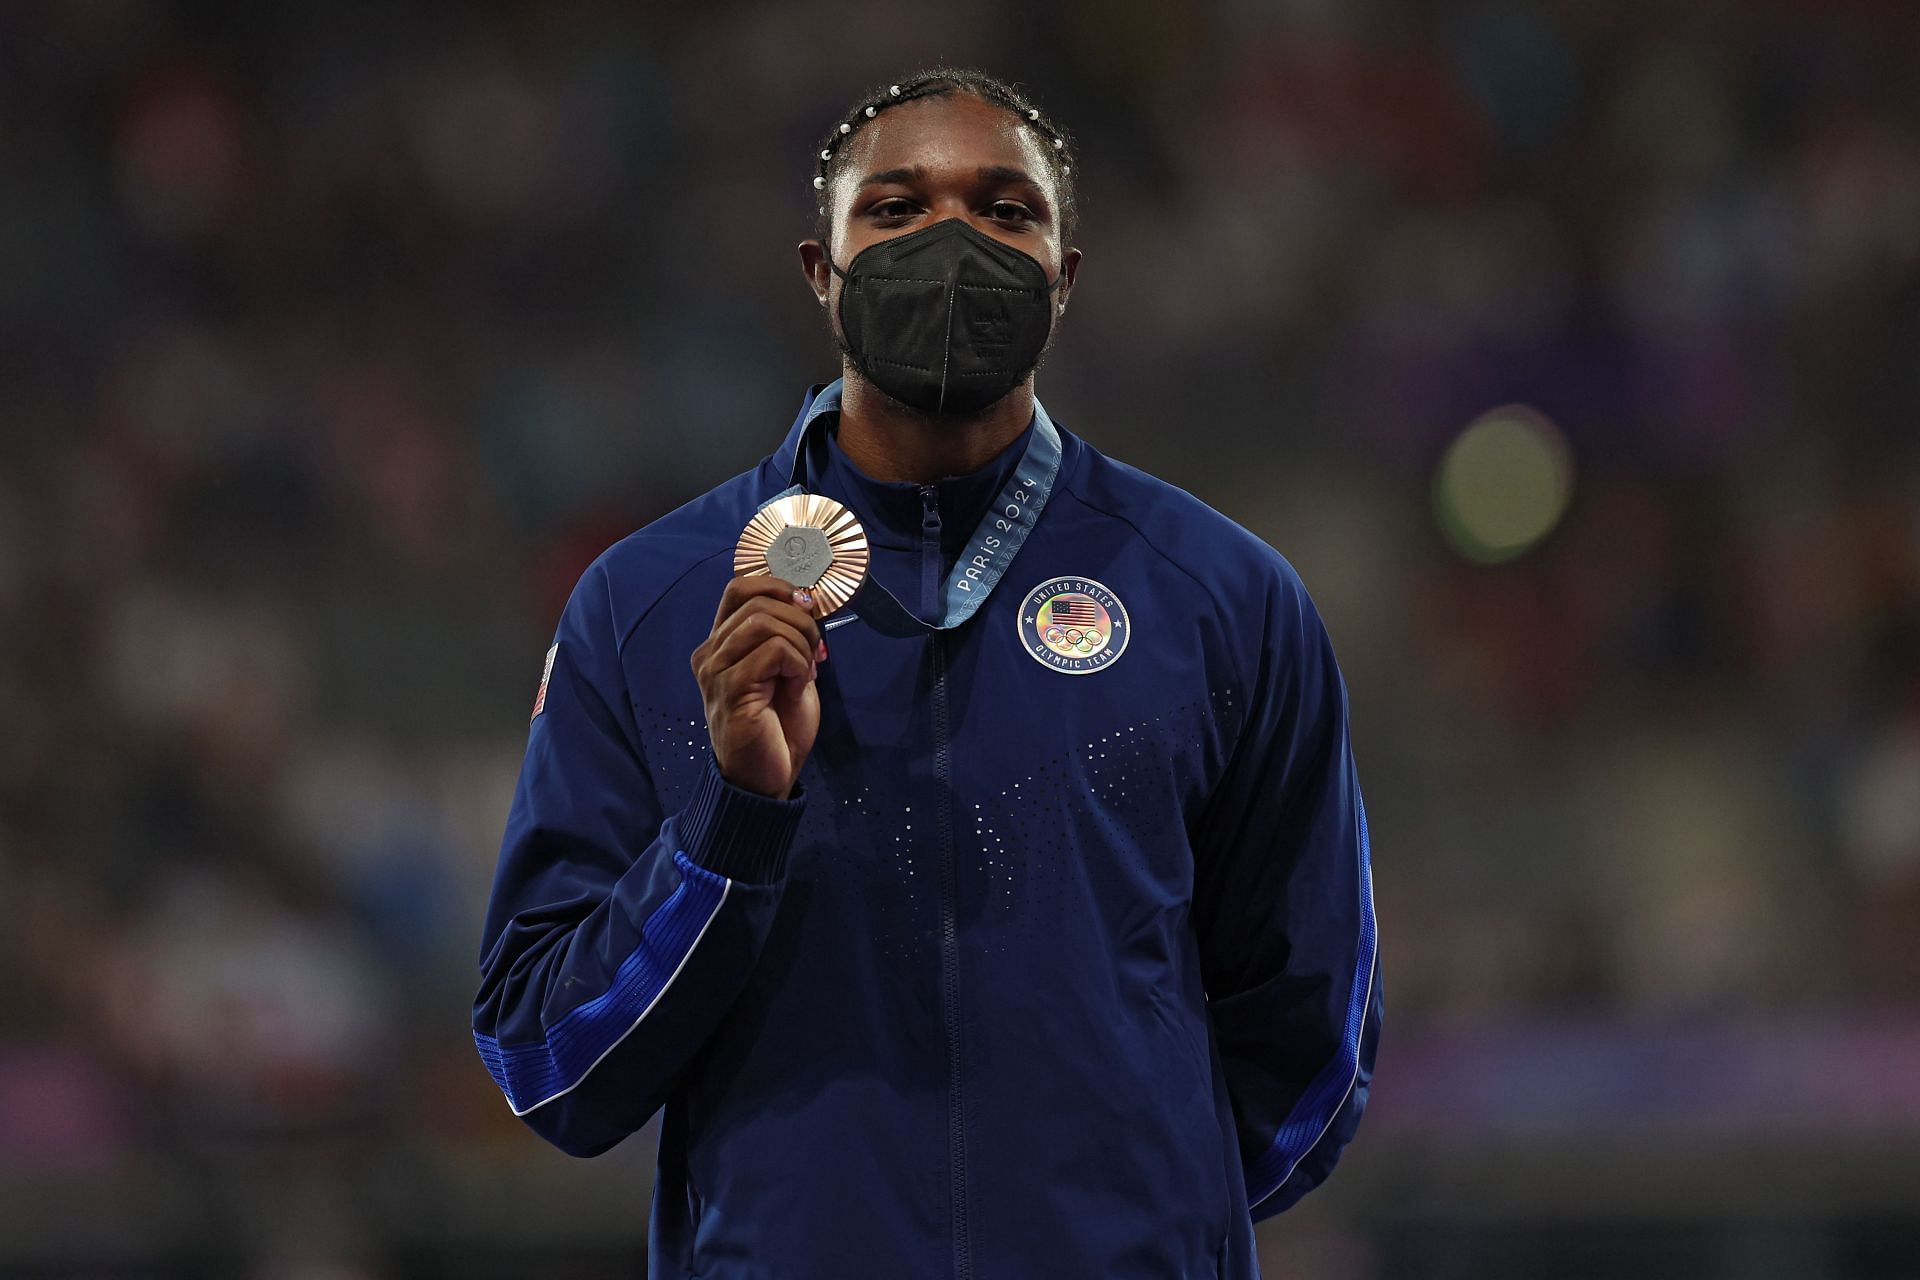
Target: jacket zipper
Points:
(930, 575)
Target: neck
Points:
(888, 441)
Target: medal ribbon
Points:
(991, 548)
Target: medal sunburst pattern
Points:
(845, 538)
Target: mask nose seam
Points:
(946, 354)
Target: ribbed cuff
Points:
(738, 833)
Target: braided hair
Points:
(940, 82)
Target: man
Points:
(966, 931)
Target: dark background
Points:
(335, 339)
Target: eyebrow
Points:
(1006, 173)
(885, 176)
(986, 173)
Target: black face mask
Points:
(945, 319)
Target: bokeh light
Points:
(1503, 484)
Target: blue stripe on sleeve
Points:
(532, 1075)
(1314, 1113)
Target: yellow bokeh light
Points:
(1503, 484)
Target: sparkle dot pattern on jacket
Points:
(1023, 871)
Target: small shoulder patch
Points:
(546, 674)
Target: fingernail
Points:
(820, 651)
(803, 597)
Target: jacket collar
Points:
(891, 510)
(821, 398)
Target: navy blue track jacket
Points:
(1059, 962)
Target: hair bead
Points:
(894, 90)
(819, 184)
(871, 112)
(845, 127)
(1033, 114)
(826, 155)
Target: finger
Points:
(744, 587)
(788, 612)
(713, 667)
(749, 633)
(706, 658)
(771, 658)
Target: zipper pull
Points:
(930, 553)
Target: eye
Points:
(1010, 211)
(892, 207)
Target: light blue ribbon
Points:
(990, 550)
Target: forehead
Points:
(956, 133)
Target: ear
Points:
(813, 264)
(1070, 268)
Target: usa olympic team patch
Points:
(1073, 625)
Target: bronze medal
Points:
(812, 542)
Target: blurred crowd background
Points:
(1571, 351)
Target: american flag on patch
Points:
(1075, 611)
(546, 674)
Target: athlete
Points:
(1012, 917)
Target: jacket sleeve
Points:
(616, 936)
(1283, 911)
